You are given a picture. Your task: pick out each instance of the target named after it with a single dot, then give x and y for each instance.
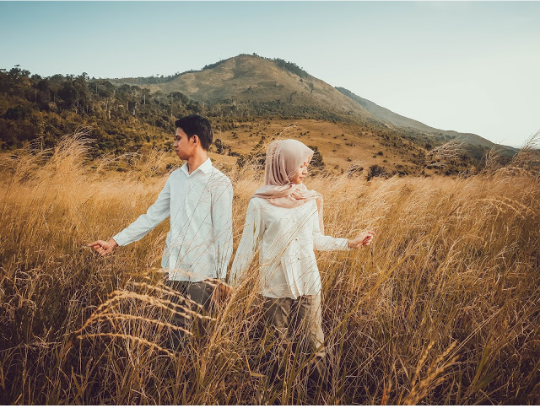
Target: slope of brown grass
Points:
(340, 144)
(443, 309)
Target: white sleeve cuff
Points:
(122, 239)
(343, 243)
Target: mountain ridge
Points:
(259, 86)
(404, 122)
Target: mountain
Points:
(260, 86)
(250, 100)
(264, 87)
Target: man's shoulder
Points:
(219, 176)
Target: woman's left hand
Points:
(364, 239)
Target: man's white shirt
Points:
(285, 238)
(199, 244)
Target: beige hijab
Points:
(283, 159)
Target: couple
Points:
(284, 222)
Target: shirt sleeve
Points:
(249, 243)
(147, 222)
(324, 242)
(222, 197)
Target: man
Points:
(198, 199)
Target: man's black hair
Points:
(197, 125)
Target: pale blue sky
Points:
(465, 66)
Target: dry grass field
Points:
(443, 309)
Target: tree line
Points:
(35, 109)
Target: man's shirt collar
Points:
(205, 167)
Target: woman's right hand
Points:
(364, 239)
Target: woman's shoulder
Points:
(259, 202)
(265, 206)
(262, 203)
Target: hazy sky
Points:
(464, 66)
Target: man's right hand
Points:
(103, 247)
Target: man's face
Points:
(184, 147)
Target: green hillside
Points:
(134, 115)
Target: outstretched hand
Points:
(103, 247)
(222, 293)
(364, 239)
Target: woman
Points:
(284, 221)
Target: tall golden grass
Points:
(443, 309)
